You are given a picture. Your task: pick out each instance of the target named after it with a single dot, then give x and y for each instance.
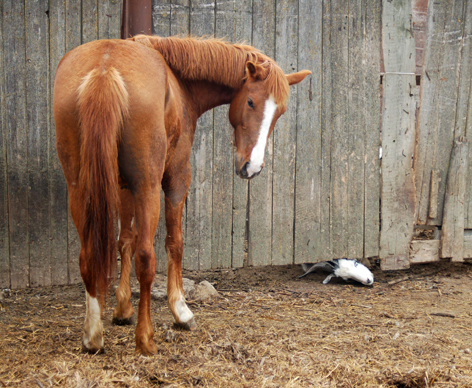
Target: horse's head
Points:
(254, 111)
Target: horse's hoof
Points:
(146, 349)
(92, 350)
(190, 325)
(123, 321)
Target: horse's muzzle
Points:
(243, 173)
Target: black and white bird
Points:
(343, 268)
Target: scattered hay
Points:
(266, 330)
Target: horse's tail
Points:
(102, 108)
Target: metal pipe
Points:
(137, 18)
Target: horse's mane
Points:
(217, 61)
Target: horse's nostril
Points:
(244, 170)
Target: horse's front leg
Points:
(123, 313)
(175, 189)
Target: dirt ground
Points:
(268, 329)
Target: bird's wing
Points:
(309, 268)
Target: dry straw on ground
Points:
(411, 329)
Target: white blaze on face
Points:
(93, 327)
(257, 155)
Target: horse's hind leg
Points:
(142, 166)
(93, 327)
(123, 313)
(70, 156)
(147, 216)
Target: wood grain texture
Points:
(398, 135)
(197, 251)
(222, 185)
(180, 17)
(16, 130)
(109, 19)
(318, 200)
(73, 39)
(37, 74)
(356, 132)
(371, 62)
(161, 17)
(241, 32)
(307, 244)
(464, 109)
(452, 238)
(161, 21)
(285, 138)
(57, 186)
(433, 197)
(180, 25)
(339, 190)
(4, 233)
(424, 251)
(89, 20)
(467, 247)
(260, 188)
(440, 81)
(325, 240)
(232, 24)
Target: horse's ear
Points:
(295, 78)
(256, 71)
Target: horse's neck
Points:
(206, 95)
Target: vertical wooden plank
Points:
(227, 24)
(325, 241)
(89, 20)
(109, 19)
(260, 188)
(398, 135)
(452, 238)
(37, 72)
(433, 202)
(161, 22)
(178, 23)
(161, 15)
(356, 131)
(73, 39)
(420, 18)
(17, 135)
(285, 137)
(4, 238)
(197, 252)
(439, 84)
(57, 186)
(180, 17)
(464, 109)
(73, 23)
(241, 31)
(307, 243)
(340, 128)
(371, 109)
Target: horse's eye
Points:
(250, 103)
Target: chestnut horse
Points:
(125, 113)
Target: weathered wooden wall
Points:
(38, 242)
(443, 173)
(323, 193)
